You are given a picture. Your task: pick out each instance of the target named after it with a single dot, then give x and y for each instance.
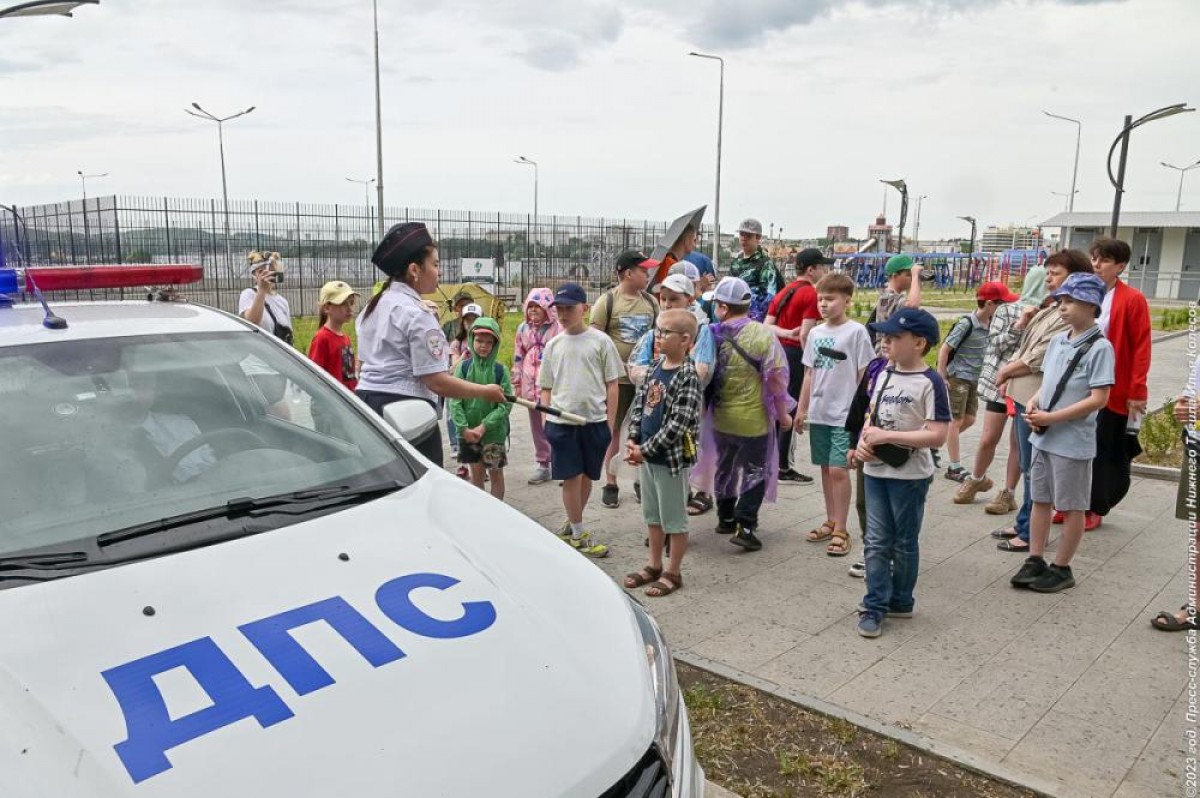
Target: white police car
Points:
(221, 574)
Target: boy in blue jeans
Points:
(909, 416)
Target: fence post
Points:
(167, 226)
(300, 256)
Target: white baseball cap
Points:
(732, 291)
(677, 283)
(473, 310)
(687, 269)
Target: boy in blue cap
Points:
(1078, 372)
(909, 415)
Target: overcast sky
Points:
(822, 99)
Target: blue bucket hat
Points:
(1083, 287)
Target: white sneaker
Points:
(858, 570)
(540, 476)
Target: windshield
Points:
(101, 435)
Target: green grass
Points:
(305, 327)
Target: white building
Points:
(1166, 247)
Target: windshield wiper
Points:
(55, 559)
(340, 494)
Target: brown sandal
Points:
(840, 540)
(642, 577)
(665, 586)
(820, 534)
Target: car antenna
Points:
(51, 321)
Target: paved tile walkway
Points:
(1074, 691)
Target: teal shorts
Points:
(829, 446)
(664, 498)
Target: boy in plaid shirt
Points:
(664, 424)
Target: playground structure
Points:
(950, 271)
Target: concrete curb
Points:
(717, 791)
(1168, 336)
(1165, 473)
(913, 739)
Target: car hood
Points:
(434, 642)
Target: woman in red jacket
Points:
(1125, 319)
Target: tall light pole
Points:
(1122, 138)
(1066, 198)
(1183, 170)
(1075, 169)
(200, 113)
(971, 219)
(378, 122)
(87, 234)
(917, 225)
(902, 187)
(521, 159)
(45, 8)
(716, 255)
(366, 184)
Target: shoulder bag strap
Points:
(879, 396)
(1084, 348)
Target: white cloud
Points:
(819, 104)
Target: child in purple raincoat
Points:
(540, 325)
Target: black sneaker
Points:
(1030, 572)
(792, 475)
(726, 527)
(610, 496)
(746, 539)
(1056, 578)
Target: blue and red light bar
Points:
(85, 278)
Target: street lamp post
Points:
(902, 187)
(521, 159)
(971, 219)
(378, 123)
(1066, 198)
(716, 254)
(45, 8)
(200, 113)
(1183, 170)
(87, 235)
(366, 184)
(917, 224)
(1075, 169)
(1122, 138)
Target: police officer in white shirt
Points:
(403, 350)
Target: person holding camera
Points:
(1079, 372)
(263, 304)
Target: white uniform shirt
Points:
(400, 342)
(1105, 311)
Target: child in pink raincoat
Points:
(540, 325)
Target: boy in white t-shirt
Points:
(580, 369)
(835, 358)
(910, 415)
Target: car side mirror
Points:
(412, 419)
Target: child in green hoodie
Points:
(482, 426)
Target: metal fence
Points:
(318, 243)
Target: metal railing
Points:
(318, 243)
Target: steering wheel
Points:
(210, 437)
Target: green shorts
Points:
(828, 445)
(964, 398)
(664, 498)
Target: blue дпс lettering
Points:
(150, 731)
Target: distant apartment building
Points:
(837, 233)
(1000, 239)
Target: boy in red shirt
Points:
(331, 348)
(791, 314)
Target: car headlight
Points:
(665, 681)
